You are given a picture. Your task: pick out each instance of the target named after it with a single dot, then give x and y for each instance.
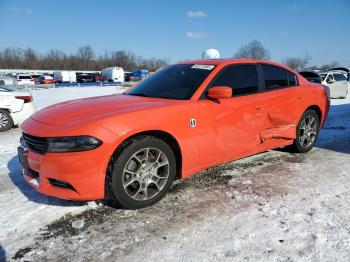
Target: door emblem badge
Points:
(193, 122)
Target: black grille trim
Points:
(36, 144)
(60, 183)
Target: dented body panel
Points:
(208, 132)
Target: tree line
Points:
(256, 50)
(83, 59)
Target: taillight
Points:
(27, 99)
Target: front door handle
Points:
(259, 107)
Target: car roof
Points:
(225, 62)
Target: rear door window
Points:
(277, 77)
(339, 77)
(243, 79)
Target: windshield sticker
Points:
(205, 67)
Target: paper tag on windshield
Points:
(205, 67)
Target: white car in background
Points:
(336, 80)
(15, 107)
(338, 83)
(24, 79)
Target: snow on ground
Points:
(23, 210)
(274, 206)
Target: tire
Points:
(307, 132)
(141, 174)
(6, 122)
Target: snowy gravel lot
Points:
(274, 206)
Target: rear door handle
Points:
(259, 107)
(300, 97)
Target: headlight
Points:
(72, 144)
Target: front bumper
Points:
(72, 176)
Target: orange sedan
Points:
(185, 118)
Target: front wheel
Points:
(6, 121)
(142, 173)
(307, 132)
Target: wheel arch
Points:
(6, 109)
(163, 135)
(318, 110)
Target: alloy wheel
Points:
(4, 120)
(308, 131)
(146, 173)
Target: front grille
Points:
(35, 144)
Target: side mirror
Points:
(330, 81)
(220, 92)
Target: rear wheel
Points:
(6, 121)
(307, 132)
(142, 173)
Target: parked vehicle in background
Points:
(186, 117)
(35, 76)
(45, 79)
(15, 107)
(140, 74)
(312, 76)
(113, 74)
(65, 76)
(100, 78)
(85, 78)
(24, 79)
(127, 76)
(6, 80)
(336, 79)
(337, 83)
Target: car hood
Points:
(88, 109)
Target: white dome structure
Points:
(211, 54)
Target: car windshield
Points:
(173, 82)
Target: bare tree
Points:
(124, 59)
(85, 54)
(253, 50)
(297, 63)
(54, 59)
(30, 59)
(84, 59)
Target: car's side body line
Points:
(205, 132)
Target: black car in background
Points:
(85, 77)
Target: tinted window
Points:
(173, 82)
(339, 77)
(292, 79)
(24, 77)
(242, 79)
(275, 77)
